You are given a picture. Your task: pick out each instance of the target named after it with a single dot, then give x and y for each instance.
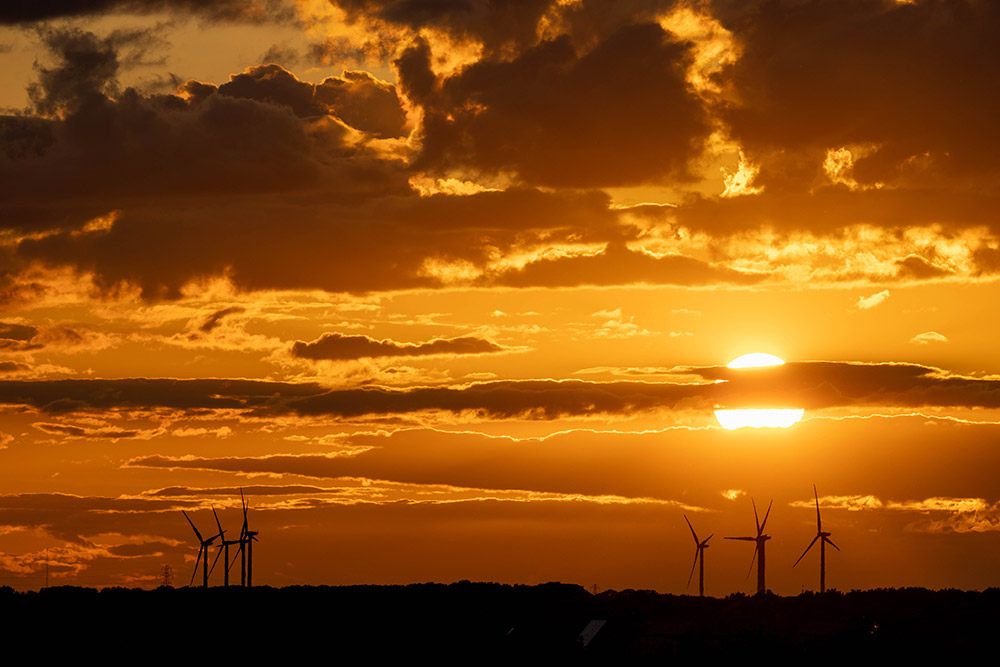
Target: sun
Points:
(755, 360)
(758, 417)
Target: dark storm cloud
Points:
(526, 399)
(498, 25)
(13, 367)
(341, 248)
(828, 208)
(919, 81)
(813, 385)
(16, 332)
(618, 114)
(357, 98)
(86, 67)
(336, 346)
(912, 90)
(254, 11)
(816, 385)
(76, 518)
(617, 265)
(20, 338)
(63, 396)
(100, 148)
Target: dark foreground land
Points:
(471, 623)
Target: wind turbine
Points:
(205, 544)
(699, 556)
(247, 538)
(824, 539)
(223, 547)
(761, 539)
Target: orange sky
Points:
(449, 289)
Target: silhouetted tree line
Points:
(482, 623)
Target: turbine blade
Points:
(192, 526)
(217, 522)
(752, 560)
(764, 522)
(830, 542)
(212, 569)
(819, 523)
(747, 539)
(238, 552)
(697, 552)
(755, 515)
(705, 543)
(197, 561)
(693, 534)
(807, 550)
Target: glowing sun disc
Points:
(755, 360)
(759, 418)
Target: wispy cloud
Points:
(869, 302)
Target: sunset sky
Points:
(449, 289)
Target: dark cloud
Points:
(231, 491)
(61, 396)
(827, 209)
(660, 464)
(104, 148)
(253, 11)
(215, 319)
(526, 399)
(17, 332)
(363, 102)
(813, 385)
(817, 385)
(281, 54)
(920, 268)
(13, 367)
(86, 69)
(357, 98)
(918, 82)
(500, 25)
(619, 114)
(77, 519)
(340, 248)
(17, 337)
(618, 265)
(47, 502)
(23, 137)
(144, 549)
(336, 346)
(75, 431)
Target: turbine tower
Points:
(247, 538)
(223, 547)
(758, 551)
(699, 557)
(205, 544)
(824, 539)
